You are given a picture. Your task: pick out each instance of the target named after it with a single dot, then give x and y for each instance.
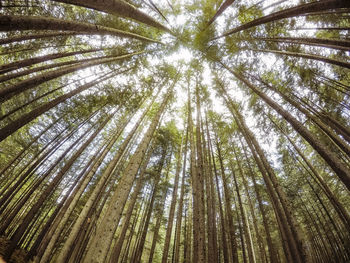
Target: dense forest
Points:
(175, 131)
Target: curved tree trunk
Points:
(119, 8)
(8, 92)
(13, 23)
(32, 61)
(291, 12)
(320, 42)
(37, 36)
(339, 63)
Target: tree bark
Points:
(291, 12)
(105, 231)
(14, 23)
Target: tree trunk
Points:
(172, 206)
(32, 61)
(118, 8)
(24, 85)
(28, 117)
(14, 23)
(50, 188)
(180, 206)
(105, 231)
(332, 61)
(291, 12)
(330, 157)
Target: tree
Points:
(174, 131)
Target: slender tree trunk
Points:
(32, 61)
(172, 206)
(180, 206)
(24, 85)
(50, 188)
(14, 23)
(247, 235)
(36, 36)
(159, 216)
(126, 220)
(330, 157)
(102, 180)
(291, 12)
(332, 61)
(28, 117)
(105, 231)
(119, 8)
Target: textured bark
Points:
(14, 210)
(159, 216)
(148, 213)
(247, 235)
(23, 153)
(323, 125)
(271, 247)
(340, 209)
(133, 198)
(105, 231)
(200, 183)
(45, 67)
(289, 230)
(57, 231)
(64, 254)
(13, 23)
(222, 215)
(291, 12)
(212, 255)
(119, 8)
(51, 187)
(251, 207)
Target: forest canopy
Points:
(174, 131)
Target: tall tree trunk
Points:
(28, 117)
(133, 198)
(24, 85)
(330, 157)
(222, 8)
(105, 231)
(177, 239)
(159, 216)
(332, 61)
(56, 232)
(247, 235)
(102, 180)
(291, 12)
(32, 61)
(14, 23)
(50, 188)
(289, 230)
(119, 8)
(173, 204)
(36, 36)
